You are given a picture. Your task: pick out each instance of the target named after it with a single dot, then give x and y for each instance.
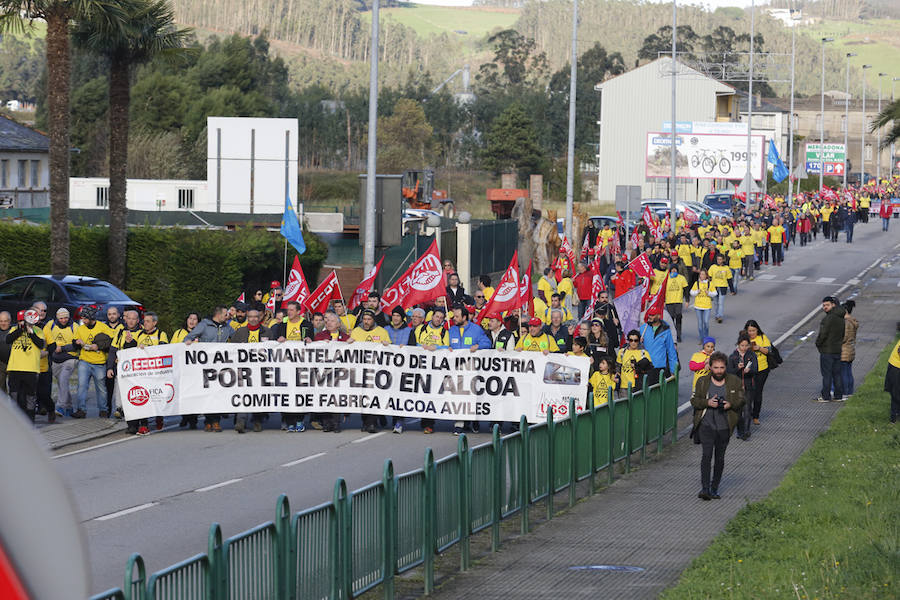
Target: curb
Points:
(57, 438)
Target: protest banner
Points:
(329, 377)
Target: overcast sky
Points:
(712, 4)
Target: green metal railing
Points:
(360, 540)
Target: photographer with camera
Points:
(717, 401)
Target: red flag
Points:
(270, 305)
(596, 287)
(641, 266)
(620, 222)
(658, 300)
(241, 298)
(651, 221)
(566, 248)
(690, 216)
(557, 268)
(506, 296)
(585, 247)
(526, 294)
(365, 286)
(297, 289)
(422, 282)
(327, 291)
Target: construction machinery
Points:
(417, 187)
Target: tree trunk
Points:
(119, 98)
(58, 120)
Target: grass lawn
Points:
(875, 42)
(427, 20)
(830, 530)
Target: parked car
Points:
(71, 291)
(720, 201)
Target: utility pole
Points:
(673, 150)
(822, 118)
(570, 163)
(862, 144)
(369, 233)
(749, 177)
(847, 115)
(791, 115)
(878, 145)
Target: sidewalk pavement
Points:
(652, 518)
(68, 431)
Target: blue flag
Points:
(290, 227)
(779, 170)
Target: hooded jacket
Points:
(831, 332)
(208, 330)
(660, 346)
(848, 347)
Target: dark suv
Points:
(71, 292)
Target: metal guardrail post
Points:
(343, 570)
(140, 585)
(611, 407)
(551, 471)
(645, 422)
(525, 466)
(675, 405)
(663, 390)
(283, 545)
(214, 583)
(428, 542)
(594, 444)
(499, 484)
(389, 529)
(573, 463)
(465, 464)
(628, 416)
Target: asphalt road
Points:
(157, 495)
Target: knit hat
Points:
(709, 340)
(62, 312)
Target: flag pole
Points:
(284, 281)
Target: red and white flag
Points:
(641, 266)
(526, 294)
(585, 247)
(240, 298)
(506, 296)
(297, 289)
(422, 282)
(365, 286)
(635, 239)
(658, 300)
(270, 305)
(327, 291)
(596, 287)
(566, 249)
(690, 216)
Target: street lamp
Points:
(796, 15)
(822, 118)
(862, 145)
(892, 143)
(847, 115)
(878, 146)
(748, 177)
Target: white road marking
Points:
(371, 436)
(796, 278)
(130, 438)
(825, 280)
(218, 485)
(302, 460)
(853, 281)
(765, 276)
(127, 511)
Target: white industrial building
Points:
(640, 101)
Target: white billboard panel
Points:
(705, 156)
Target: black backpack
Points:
(774, 357)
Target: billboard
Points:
(835, 158)
(705, 156)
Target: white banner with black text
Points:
(336, 377)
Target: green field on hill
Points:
(471, 23)
(876, 42)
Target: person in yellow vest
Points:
(60, 337)
(776, 241)
(368, 331)
(703, 291)
(602, 380)
(150, 334)
(431, 336)
(190, 321)
(556, 304)
(720, 275)
(675, 298)
(94, 339)
(760, 238)
(25, 341)
(735, 263)
(45, 377)
(348, 320)
(628, 358)
(826, 211)
(748, 248)
(892, 382)
(536, 340)
(864, 203)
(699, 362)
(484, 285)
(115, 324)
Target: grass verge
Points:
(830, 530)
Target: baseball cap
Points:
(275, 284)
(535, 322)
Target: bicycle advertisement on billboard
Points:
(705, 156)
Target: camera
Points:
(720, 402)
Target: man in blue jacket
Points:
(464, 334)
(657, 339)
